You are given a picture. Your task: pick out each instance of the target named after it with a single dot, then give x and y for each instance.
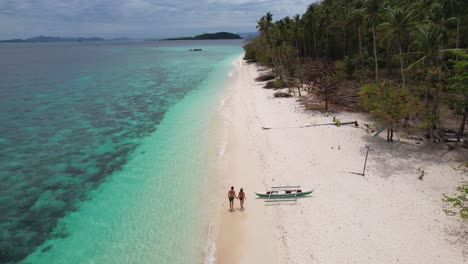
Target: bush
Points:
(276, 84)
(282, 95)
(265, 77)
(388, 102)
(349, 66)
(459, 202)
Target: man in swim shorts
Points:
(231, 196)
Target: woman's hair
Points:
(232, 187)
(242, 189)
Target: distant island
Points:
(50, 39)
(218, 35)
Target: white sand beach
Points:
(386, 216)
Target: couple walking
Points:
(232, 195)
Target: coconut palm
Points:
(373, 11)
(455, 9)
(398, 26)
(428, 40)
(356, 18)
(264, 26)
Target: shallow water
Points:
(103, 148)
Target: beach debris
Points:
(379, 131)
(422, 174)
(365, 161)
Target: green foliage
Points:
(349, 66)
(388, 102)
(458, 202)
(279, 84)
(327, 87)
(249, 52)
(367, 36)
(336, 121)
(282, 95)
(275, 84)
(459, 84)
(460, 78)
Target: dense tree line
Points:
(413, 46)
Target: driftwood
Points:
(355, 123)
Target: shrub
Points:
(388, 102)
(459, 202)
(282, 94)
(265, 77)
(349, 66)
(276, 84)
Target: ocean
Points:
(106, 149)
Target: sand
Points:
(386, 216)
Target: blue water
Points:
(103, 149)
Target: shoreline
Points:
(236, 166)
(388, 216)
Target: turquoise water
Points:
(106, 150)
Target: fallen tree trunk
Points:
(355, 123)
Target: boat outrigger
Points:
(283, 193)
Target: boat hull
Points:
(282, 195)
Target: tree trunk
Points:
(297, 50)
(391, 133)
(388, 61)
(326, 46)
(326, 102)
(434, 112)
(344, 42)
(280, 67)
(462, 124)
(299, 90)
(401, 62)
(360, 46)
(426, 106)
(315, 45)
(304, 46)
(375, 53)
(426, 109)
(458, 34)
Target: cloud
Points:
(136, 18)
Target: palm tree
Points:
(373, 10)
(311, 25)
(357, 20)
(428, 39)
(397, 28)
(296, 31)
(264, 26)
(455, 9)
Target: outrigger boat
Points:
(283, 193)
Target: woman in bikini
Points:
(231, 196)
(242, 197)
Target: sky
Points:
(137, 18)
